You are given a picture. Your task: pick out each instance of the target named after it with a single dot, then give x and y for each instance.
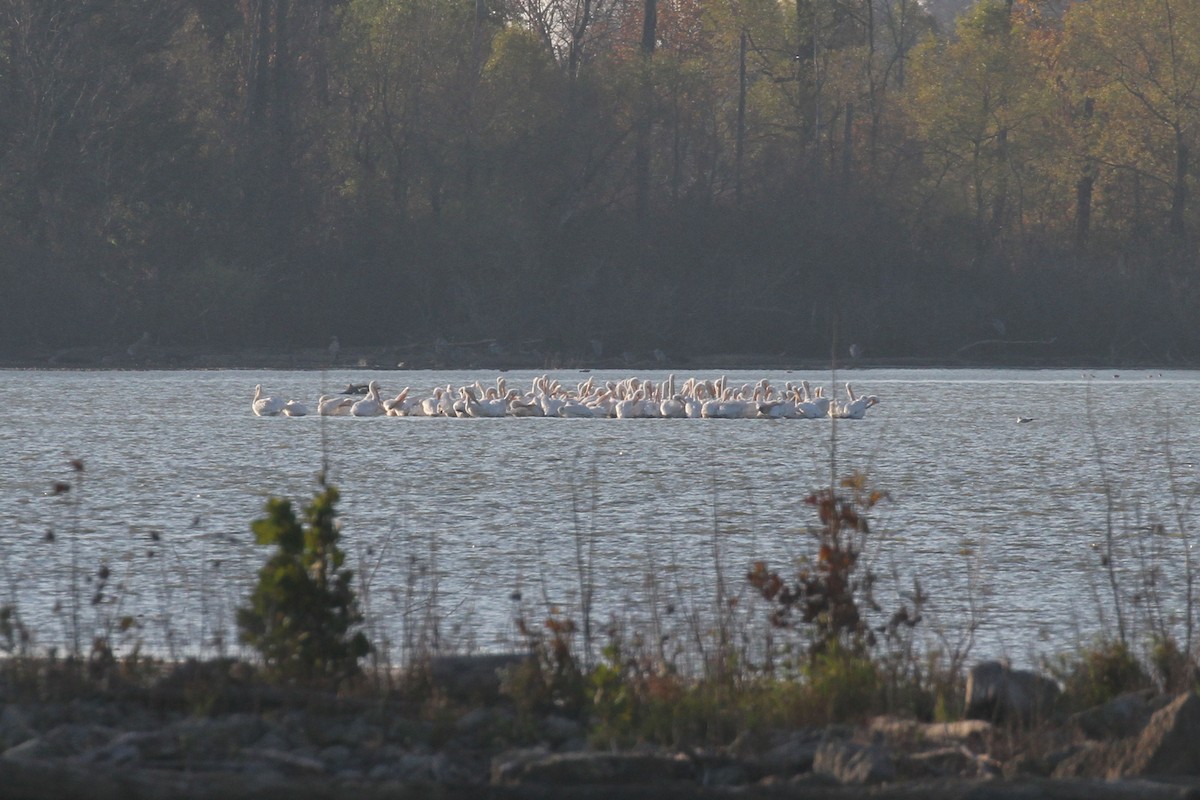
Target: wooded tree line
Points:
(699, 176)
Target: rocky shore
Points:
(201, 731)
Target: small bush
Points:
(844, 685)
(1100, 673)
(302, 611)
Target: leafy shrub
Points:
(1100, 673)
(302, 611)
(829, 590)
(846, 685)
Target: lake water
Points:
(453, 520)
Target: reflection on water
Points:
(990, 514)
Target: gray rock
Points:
(941, 762)
(133, 746)
(854, 763)
(1090, 760)
(15, 727)
(999, 693)
(1170, 742)
(291, 762)
(730, 773)
(336, 757)
(474, 721)
(423, 767)
(507, 766)
(203, 739)
(573, 769)
(360, 733)
(794, 755)
(64, 741)
(409, 732)
(1120, 717)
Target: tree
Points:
(1139, 62)
(981, 106)
(88, 94)
(303, 609)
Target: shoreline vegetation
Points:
(843, 692)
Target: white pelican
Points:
(446, 402)
(432, 406)
(524, 407)
(778, 409)
(496, 406)
(400, 405)
(816, 408)
(672, 407)
(856, 409)
(294, 408)
(266, 406)
(369, 406)
(574, 408)
(630, 407)
(550, 404)
(334, 405)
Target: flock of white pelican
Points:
(624, 399)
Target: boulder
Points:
(791, 756)
(1001, 694)
(1123, 716)
(591, 768)
(63, 741)
(15, 727)
(854, 763)
(1170, 742)
(942, 762)
(1089, 760)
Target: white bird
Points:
(778, 409)
(369, 406)
(496, 405)
(400, 405)
(524, 407)
(294, 408)
(816, 408)
(266, 406)
(334, 405)
(672, 407)
(630, 407)
(857, 409)
(574, 408)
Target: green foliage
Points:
(1100, 673)
(845, 685)
(303, 610)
